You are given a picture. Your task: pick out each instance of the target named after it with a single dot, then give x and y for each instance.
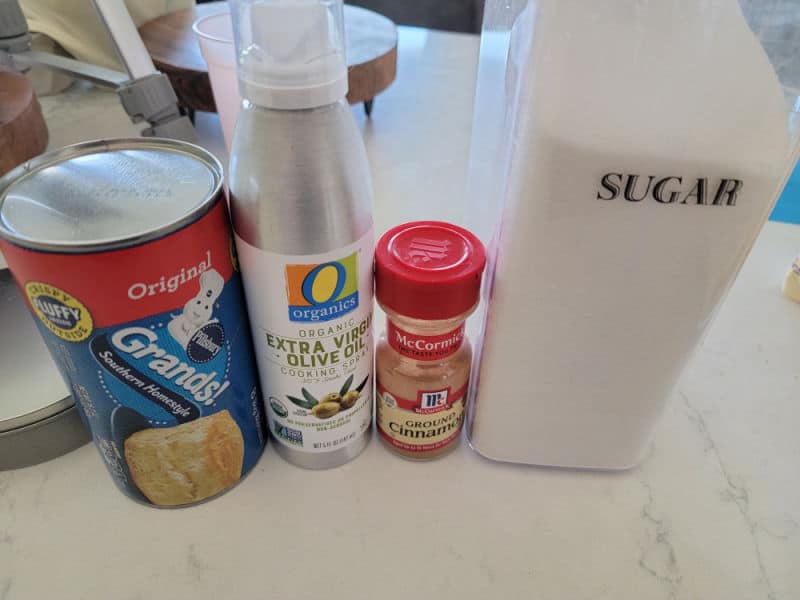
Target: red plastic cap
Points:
(428, 270)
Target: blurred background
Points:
(74, 27)
(449, 15)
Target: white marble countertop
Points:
(712, 512)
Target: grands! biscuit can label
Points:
(123, 252)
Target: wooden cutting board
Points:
(23, 133)
(371, 54)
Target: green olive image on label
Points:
(278, 407)
(63, 314)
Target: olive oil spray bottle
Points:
(301, 200)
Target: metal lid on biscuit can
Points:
(107, 194)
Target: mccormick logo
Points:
(432, 401)
(425, 347)
(324, 291)
(422, 250)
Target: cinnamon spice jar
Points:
(427, 280)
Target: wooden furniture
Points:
(371, 54)
(23, 133)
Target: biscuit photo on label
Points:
(186, 463)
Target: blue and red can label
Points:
(154, 342)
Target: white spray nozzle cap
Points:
(290, 52)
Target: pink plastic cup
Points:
(215, 34)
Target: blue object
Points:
(787, 209)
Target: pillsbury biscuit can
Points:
(123, 252)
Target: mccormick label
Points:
(311, 317)
(154, 342)
(428, 422)
(433, 417)
(424, 347)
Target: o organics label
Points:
(321, 292)
(63, 314)
(315, 359)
